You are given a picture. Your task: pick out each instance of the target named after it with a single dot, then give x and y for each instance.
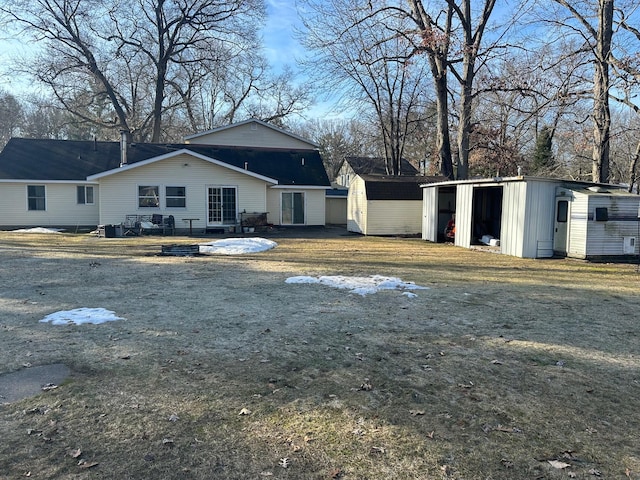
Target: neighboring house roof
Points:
(70, 160)
(400, 187)
(377, 166)
(245, 122)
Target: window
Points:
(563, 211)
(293, 208)
(602, 214)
(222, 206)
(176, 197)
(36, 197)
(85, 195)
(148, 196)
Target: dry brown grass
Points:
(503, 365)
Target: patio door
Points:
(222, 206)
(293, 208)
(561, 227)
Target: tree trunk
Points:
(601, 112)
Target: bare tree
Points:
(11, 117)
(352, 54)
(132, 54)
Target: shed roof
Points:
(69, 160)
(377, 166)
(396, 187)
(525, 178)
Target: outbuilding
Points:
(535, 217)
(386, 204)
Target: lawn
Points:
(503, 369)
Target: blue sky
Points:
(280, 46)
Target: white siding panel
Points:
(357, 206)
(62, 208)
(606, 238)
(464, 212)
(315, 204)
(578, 226)
(513, 218)
(246, 136)
(430, 214)
(120, 192)
(538, 219)
(394, 217)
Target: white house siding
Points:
(394, 217)
(606, 238)
(357, 206)
(430, 209)
(251, 135)
(314, 204)
(62, 209)
(578, 225)
(120, 191)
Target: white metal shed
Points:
(520, 216)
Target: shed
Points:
(534, 217)
(385, 205)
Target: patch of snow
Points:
(38, 230)
(237, 246)
(360, 285)
(79, 316)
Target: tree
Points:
(137, 56)
(353, 55)
(543, 160)
(596, 28)
(11, 116)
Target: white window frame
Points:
(168, 197)
(36, 198)
(155, 197)
(88, 199)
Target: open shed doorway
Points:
(486, 221)
(446, 209)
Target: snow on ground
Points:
(361, 285)
(38, 230)
(78, 316)
(237, 246)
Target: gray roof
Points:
(399, 187)
(377, 166)
(71, 160)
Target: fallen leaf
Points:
(266, 474)
(496, 362)
(168, 442)
(174, 418)
(245, 411)
(558, 464)
(571, 474)
(506, 463)
(415, 413)
(49, 386)
(430, 434)
(595, 472)
(84, 464)
(75, 453)
(377, 450)
(366, 386)
(284, 462)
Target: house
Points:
(386, 204)
(210, 182)
(534, 217)
(352, 166)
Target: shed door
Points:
(561, 231)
